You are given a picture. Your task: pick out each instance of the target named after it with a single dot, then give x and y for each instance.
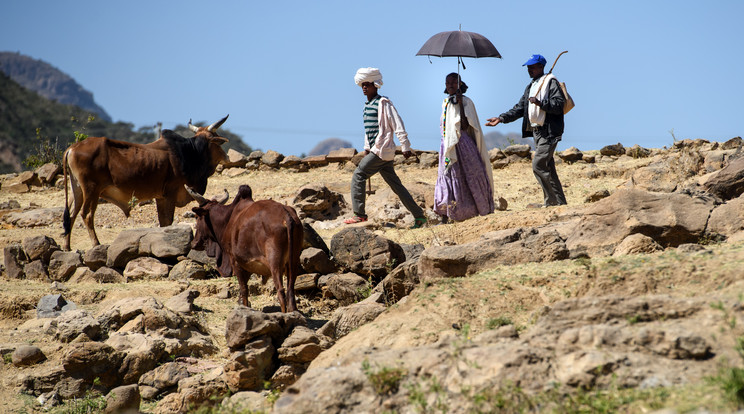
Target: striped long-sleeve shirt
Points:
(371, 120)
(389, 125)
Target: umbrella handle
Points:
(556, 61)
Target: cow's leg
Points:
(276, 275)
(291, 277)
(89, 211)
(166, 210)
(242, 276)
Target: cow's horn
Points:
(223, 199)
(217, 124)
(196, 196)
(193, 127)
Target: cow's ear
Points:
(217, 140)
(199, 211)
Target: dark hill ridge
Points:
(49, 82)
(23, 111)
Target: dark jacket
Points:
(553, 106)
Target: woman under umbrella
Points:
(464, 186)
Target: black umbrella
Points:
(459, 44)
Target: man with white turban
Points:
(381, 124)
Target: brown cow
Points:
(246, 236)
(123, 172)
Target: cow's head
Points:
(205, 237)
(216, 154)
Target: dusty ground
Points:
(516, 292)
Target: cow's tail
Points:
(66, 222)
(294, 240)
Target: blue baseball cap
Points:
(536, 59)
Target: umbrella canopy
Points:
(460, 44)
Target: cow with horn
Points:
(246, 236)
(122, 172)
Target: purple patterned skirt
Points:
(463, 192)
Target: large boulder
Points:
(728, 183)
(161, 242)
(506, 247)
(93, 361)
(366, 253)
(669, 219)
(70, 325)
(181, 334)
(245, 324)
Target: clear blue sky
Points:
(284, 70)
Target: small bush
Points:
(494, 323)
(385, 381)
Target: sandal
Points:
(355, 220)
(418, 222)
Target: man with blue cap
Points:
(541, 110)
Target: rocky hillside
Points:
(49, 82)
(626, 300)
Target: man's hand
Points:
(493, 121)
(535, 101)
(407, 154)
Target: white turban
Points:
(368, 75)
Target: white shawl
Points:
(451, 133)
(537, 115)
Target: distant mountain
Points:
(49, 82)
(328, 145)
(27, 120)
(496, 139)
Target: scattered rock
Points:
(571, 154)
(145, 268)
(614, 150)
(26, 355)
(123, 399)
(636, 244)
(51, 306)
(188, 270)
(183, 302)
(316, 201)
(316, 261)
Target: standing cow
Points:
(120, 172)
(246, 236)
